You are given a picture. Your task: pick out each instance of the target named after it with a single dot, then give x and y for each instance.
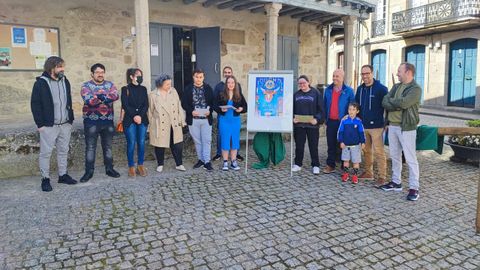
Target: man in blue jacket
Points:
(370, 95)
(336, 100)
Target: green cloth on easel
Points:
(427, 139)
(268, 146)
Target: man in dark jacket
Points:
(336, 99)
(197, 101)
(370, 95)
(51, 105)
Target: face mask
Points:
(139, 79)
(60, 75)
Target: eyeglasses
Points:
(366, 73)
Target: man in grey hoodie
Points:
(51, 105)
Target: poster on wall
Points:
(19, 37)
(5, 58)
(270, 97)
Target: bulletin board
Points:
(26, 47)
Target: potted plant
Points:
(466, 148)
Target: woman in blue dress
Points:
(229, 104)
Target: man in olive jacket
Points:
(402, 104)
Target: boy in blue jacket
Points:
(352, 140)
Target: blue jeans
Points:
(135, 134)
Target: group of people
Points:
(161, 112)
(357, 122)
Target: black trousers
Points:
(332, 143)
(176, 150)
(301, 134)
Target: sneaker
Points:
(316, 170)
(392, 186)
(296, 168)
(217, 157)
(355, 179)
(160, 168)
(365, 176)
(240, 158)
(225, 166)
(345, 176)
(180, 168)
(234, 165)
(66, 179)
(198, 164)
(328, 170)
(412, 195)
(208, 166)
(46, 185)
(112, 173)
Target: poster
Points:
(154, 50)
(5, 58)
(40, 61)
(39, 35)
(19, 37)
(270, 95)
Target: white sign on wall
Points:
(270, 101)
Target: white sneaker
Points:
(225, 166)
(316, 170)
(159, 168)
(296, 168)
(181, 168)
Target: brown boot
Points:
(131, 171)
(380, 182)
(365, 176)
(328, 169)
(141, 170)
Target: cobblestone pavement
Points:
(229, 220)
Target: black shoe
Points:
(46, 185)
(217, 157)
(198, 164)
(87, 176)
(412, 195)
(112, 173)
(392, 186)
(208, 166)
(239, 157)
(66, 179)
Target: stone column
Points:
(142, 29)
(272, 10)
(348, 49)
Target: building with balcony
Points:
(440, 37)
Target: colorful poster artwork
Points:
(5, 58)
(269, 93)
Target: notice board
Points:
(26, 47)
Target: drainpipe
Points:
(329, 29)
(356, 72)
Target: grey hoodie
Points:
(59, 96)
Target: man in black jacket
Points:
(197, 101)
(51, 105)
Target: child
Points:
(352, 140)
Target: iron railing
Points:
(378, 28)
(435, 13)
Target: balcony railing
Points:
(435, 13)
(378, 28)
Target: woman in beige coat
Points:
(166, 118)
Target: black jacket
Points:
(134, 102)
(41, 103)
(309, 103)
(220, 101)
(187, 102)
